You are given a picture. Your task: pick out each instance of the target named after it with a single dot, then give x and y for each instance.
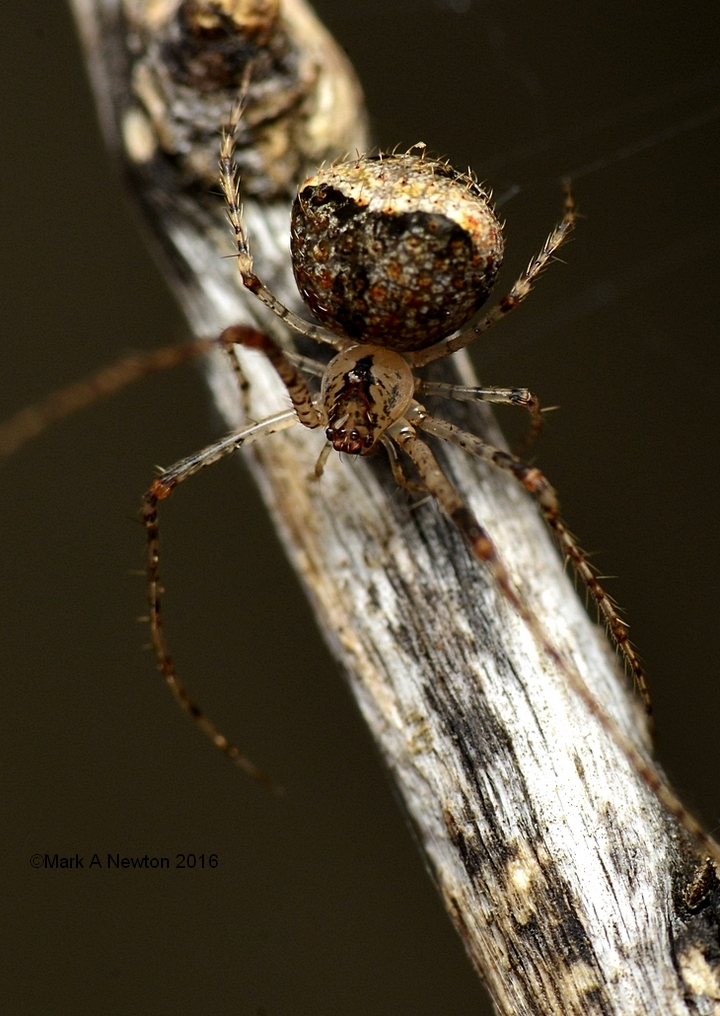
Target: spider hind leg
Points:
(536, 484)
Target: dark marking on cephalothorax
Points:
(361, 375)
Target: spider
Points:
(393, 255)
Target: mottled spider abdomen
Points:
(395, 250)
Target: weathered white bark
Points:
(564, 874)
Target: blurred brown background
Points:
(321, 904)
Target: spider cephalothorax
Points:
(364, 390)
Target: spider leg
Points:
(509, 302)
(231, 190)
(403, 433)
(499, 396)
(477, 537)
(310, 366)
(321, 460)
(483, 548)
(397, 470)
(534, 482)
(160, 490)
(307, 412)
(34, 419)
(243, 385)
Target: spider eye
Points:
(400, 251)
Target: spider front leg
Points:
(303, 411)
(403, 433)
(537, 485)
(480, 542)
(160, 490)
(308, 413)
(483, 548)
(231, 191)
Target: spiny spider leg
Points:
(34, 419)
(397, 470)
(243, 385)
(509, 302)
(477, 537)
(500, 396)
(483, 548)
(533, 481)
(310, 366)
(303, 411)
(161, 489)
(308, 414)
(231, 190)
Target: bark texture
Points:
(574, 889)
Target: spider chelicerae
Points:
(394, 255)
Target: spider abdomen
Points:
(394, 250)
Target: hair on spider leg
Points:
(496, 396)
